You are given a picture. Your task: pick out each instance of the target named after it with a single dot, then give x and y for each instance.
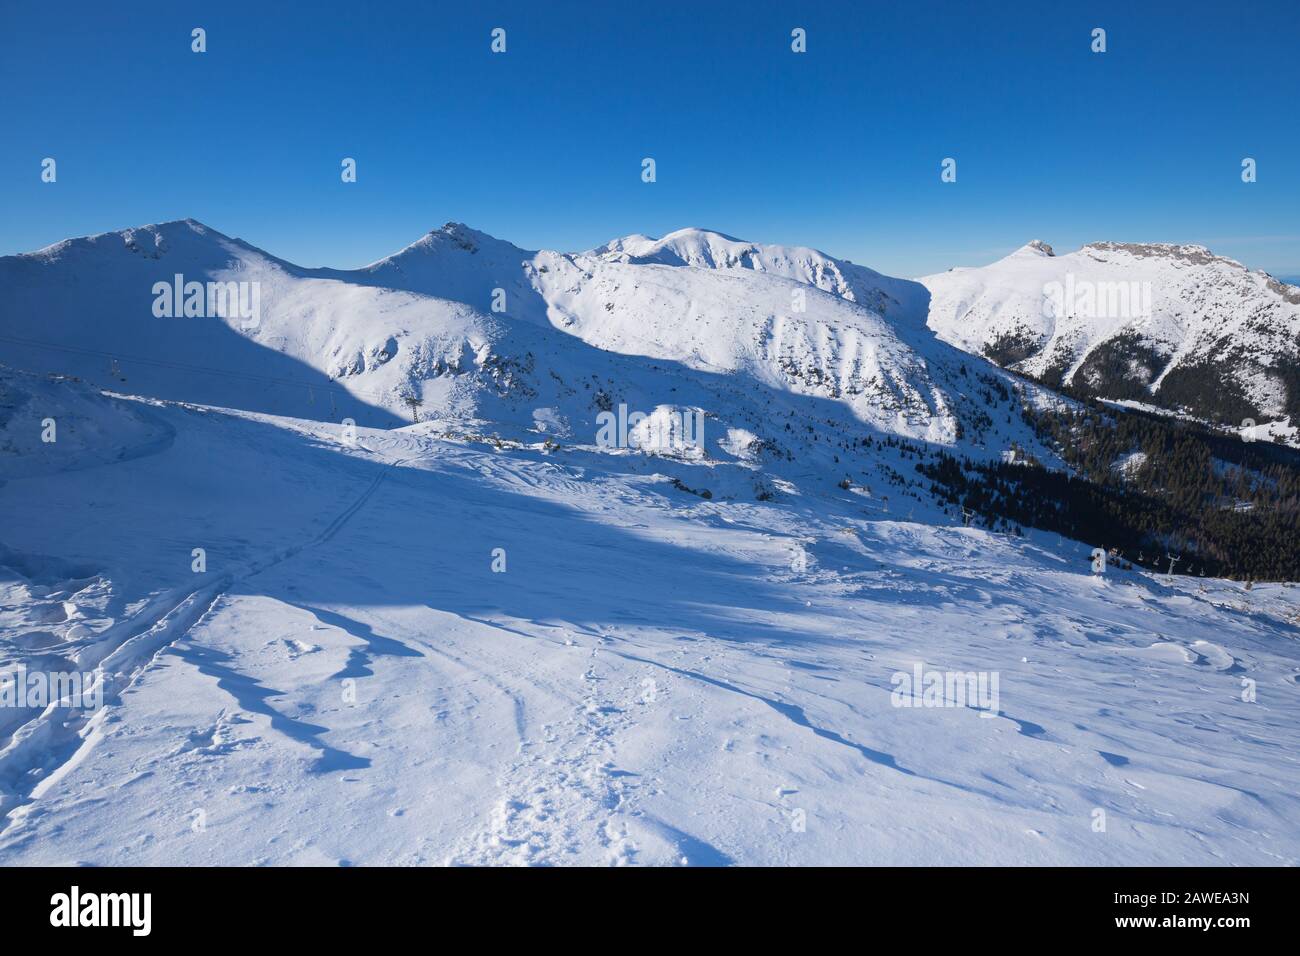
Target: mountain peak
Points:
(459, 229)
(680, 245)
(462, 235)
(453, 236)
(152, 239)
(696, 232)
(171, 227)
(1035, 247)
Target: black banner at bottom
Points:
(334, 906)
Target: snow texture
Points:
(490, 638)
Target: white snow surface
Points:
(486, 639)
(653, 678)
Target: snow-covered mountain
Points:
(1174, 326)
(493, 638)
(895, 299)
(480, 330)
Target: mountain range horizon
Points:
(609, 539)
(452, 224)
(1110, 320)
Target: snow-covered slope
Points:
(1171, 325)
(482, 331)
(415, 649)
(461, 264)
(492, 637)
(894, 299)
(86, 307)
(621, 298)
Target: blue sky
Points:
(839, 148)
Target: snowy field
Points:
(639, 676)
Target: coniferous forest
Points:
(1149, 489)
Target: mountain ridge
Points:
(470, 329)
(1221, 343)
(1172, 325)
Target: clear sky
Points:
(839, 147)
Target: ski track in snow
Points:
(649, 682)
(58, 738)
